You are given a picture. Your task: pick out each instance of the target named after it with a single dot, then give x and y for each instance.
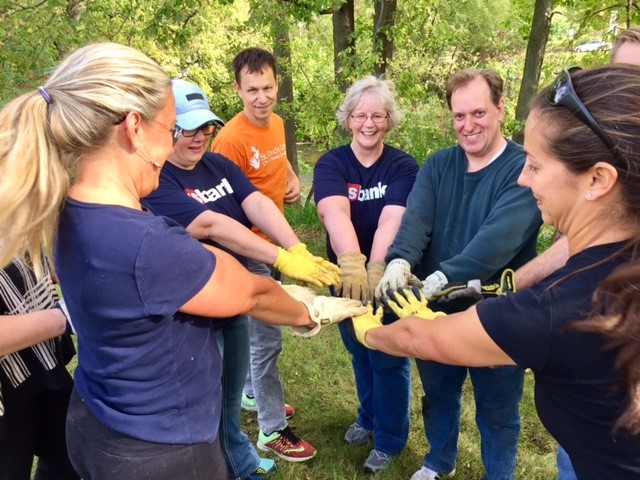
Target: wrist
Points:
(400, 262)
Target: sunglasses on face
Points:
(562, 94)
(206, 129)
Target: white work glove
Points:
(323, 310)
(396, 275)
(433, 284)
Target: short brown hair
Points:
(466, 76)
(254, 60)
(629, 35)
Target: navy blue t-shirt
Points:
(369, 189)
(215, 184)
(578, 394)
(144, 368)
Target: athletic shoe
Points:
(285, 444)
(288, 411)
(427, 474)
(378, 461)
(248, 403)
(267, 467)
(357, 435)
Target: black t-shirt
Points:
(578, 394)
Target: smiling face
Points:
(555, 188)
(476, 120)
(188, 151)
(368, 134)
(259, 94)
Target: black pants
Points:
(100, 453)
(39, 430)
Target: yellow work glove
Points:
(365, 322)
(409, 302)
(353, 281)
(306, 268)
(375, 271)
(333, 270)
(323, 310)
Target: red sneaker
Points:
(285, 444)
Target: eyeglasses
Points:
(376, 118)
(562, 94)
(175, 131)
(206, 129)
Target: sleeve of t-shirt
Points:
(329, 177)
(171, 267)
(405, 169)
(171, 201)
(520, 325)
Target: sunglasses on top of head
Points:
(562, 94)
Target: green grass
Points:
(318, 381)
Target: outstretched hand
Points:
(410, 302)
(323, 310)
(365, 322)
(299, 264)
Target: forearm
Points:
(342, 235)
(233, 235)
(544, 264)
(275, 306)
(388, 226)
(457, 339)
(232, 290)
(264, 214)
(18, 332)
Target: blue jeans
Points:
(233, 343)
(565, 468)
(100, 453)
(263, 381)
(383, 383)
(497, 394)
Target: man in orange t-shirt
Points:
(255, 141)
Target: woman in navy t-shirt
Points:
(361, 191)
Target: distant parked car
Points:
(592, 46)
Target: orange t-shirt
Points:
(260, 152)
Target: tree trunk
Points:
(343, 42)
(383, 34)
(540, 26)
(282, 51)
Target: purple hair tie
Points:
(45, 95)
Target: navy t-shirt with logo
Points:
(369, 189)
(215, 183)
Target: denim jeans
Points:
(383, 384)
(233, 343)
(565, 468)
(100, 453)
(497, 394)
(263, 380)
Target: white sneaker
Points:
(427, 474)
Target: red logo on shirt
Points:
(357, 194)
